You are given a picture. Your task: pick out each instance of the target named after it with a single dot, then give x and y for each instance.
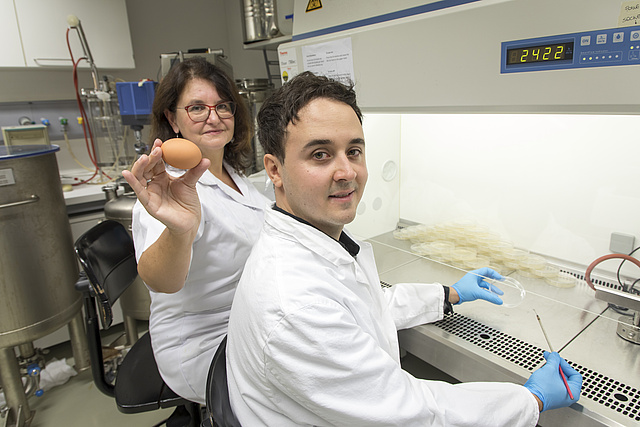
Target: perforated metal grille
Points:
(512, 349)
(609, 392)
(599, 388)
(595, 280)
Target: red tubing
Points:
(587, 274)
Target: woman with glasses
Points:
(193, 230)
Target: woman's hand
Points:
(172, 201)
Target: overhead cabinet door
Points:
(43, 26)
(12, 55)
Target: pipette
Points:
(546, 337)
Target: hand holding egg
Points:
(172, 200)
(181, 153)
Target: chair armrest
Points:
(83, 285)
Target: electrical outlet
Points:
(621, 243)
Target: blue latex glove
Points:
(473, 286)
(547, 384)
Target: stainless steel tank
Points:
(38, 268)
(135, 301)
(255, 92)
(260, 20)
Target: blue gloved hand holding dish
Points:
(473, 286)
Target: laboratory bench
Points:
(485, 342)
(84, 198)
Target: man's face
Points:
(324, 171)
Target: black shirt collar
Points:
(345, 241)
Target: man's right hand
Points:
(547, 385)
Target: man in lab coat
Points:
(312, 336)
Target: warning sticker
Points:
(288, 64)
(313, 5)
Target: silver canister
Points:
(38, 268)
(255, 92)
(260, 20)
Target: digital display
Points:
(540, 54)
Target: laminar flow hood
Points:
(502, 56)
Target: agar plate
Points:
(514, 292)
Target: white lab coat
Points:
(312, 340)
(187, 326)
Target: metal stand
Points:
(79, 345)
(630, 332)
(131, 330)
(19, 414)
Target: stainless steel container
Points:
(38, 268)
(135, 301)
(260, 20)
(255, 92)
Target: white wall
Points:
(378, 211)
(558, 185)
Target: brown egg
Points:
(181, 153)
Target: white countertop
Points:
(85, 193)
(88, 193)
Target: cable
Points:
(620, 267)
(83, 113)
(66, 138)
(89, 141)
(587, 274)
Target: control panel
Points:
(601, 48)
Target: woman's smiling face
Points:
(210, 135)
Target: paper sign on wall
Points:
(333, 59)
(629, 14)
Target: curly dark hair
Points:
(283, 107)
(236, 154)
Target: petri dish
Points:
(562, 280)
(512, 258)
(418, 233)
(478, 262)
(514, 292)
(533, 262)
(548, 272)
(441, 250)
(411, 232)
(500, 248)
(485, 242)
(428, 233)
(417, 248)
(497, 267)
(463, 254)
(456, 236)
(401, 234)
(526, 273)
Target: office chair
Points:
(107, 256)
(219, 412)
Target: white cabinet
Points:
(12, 55)
(42, 28)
